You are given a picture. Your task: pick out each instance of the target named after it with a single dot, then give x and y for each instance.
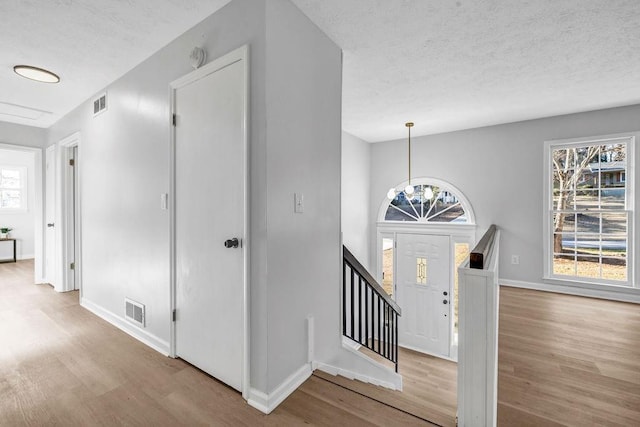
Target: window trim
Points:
(547, 211)
(24, 207)
(443, 185)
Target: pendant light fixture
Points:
(409, 191)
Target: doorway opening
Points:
(63, 232)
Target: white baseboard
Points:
(23, 257)
(141, 335)
(615, 294)
(333, 370)
(268, 402)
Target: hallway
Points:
(61, 365)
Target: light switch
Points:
(164, 201)
(299, 202)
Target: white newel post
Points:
(478, 296)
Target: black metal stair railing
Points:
(369, 315)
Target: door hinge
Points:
(72, 266)
(174, 119)
(173, 315)
(72, 162)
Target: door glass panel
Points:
(421, 271)
(387, 265)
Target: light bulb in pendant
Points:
(391, 194)
(428, 193)
(409, 190)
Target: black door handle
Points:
(231, 243)
(445, 301)
(50, 224)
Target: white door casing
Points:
(50, 216)
(423, 284)
(210, 207)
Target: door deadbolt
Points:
(231, 243)
(445, 301)
(445, 293)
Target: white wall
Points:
(500, 170)
(304, 74)
(356, 170)
(22, 222)
(15, 134)
(124, 167)
(295, 98)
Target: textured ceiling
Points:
(88, 43)
(444, 64)
(449, 65)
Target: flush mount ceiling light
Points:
(35, 73)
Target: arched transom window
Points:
(431, 203)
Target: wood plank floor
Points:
(567, 360)
(429, 387)
(62, 366)
(564, 360)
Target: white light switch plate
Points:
(298, 202)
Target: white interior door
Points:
(50, 216)
(423, 291)
(209, 211)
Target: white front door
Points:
(423, 283)
(50, 216)
(209, 214)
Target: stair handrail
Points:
(362, 271)
(369, 315)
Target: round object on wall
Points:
(197, 57)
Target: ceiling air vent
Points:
(100, 104)
(134, 312)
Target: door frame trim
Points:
(64, 206)
(239, 54)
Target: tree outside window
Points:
(589, 211)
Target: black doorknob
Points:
(445, 301)
(445, 293)
(231, 243)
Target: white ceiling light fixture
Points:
(37, 74)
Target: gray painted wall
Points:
(11, 133)
(356, 171)
(304, 95)
(295, 98)
(500, 170)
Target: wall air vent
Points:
(99, 104)
(134, 312)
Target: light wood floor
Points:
(429, 387)
(61, 365)
(567, 360)
(563, 360)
